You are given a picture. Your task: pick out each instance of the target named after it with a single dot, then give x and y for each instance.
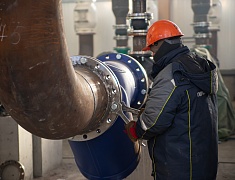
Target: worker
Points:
(179, 120)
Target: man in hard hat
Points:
(180, 116)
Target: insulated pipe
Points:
(201, 9)
(38, 85)
(205, 32)
(120, 9)
(201, 22)
(86, 45)
(84, 24)
(139, 6)
(139, 22)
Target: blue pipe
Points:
(112, 155)
(127, 69)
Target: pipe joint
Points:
(139, 21)
(112, 90)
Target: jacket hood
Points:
(191, 67)
(198, 71)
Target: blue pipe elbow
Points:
(113, 155)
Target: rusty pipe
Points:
(38, 84)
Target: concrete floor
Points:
(69, 171)
(227, 160)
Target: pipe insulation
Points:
(38, 84)
(120, 9)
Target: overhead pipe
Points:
(120, 9)
(139, 22)
(39, 87)
(201, 21)
(205, 33)
(84, 24)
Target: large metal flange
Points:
(132, 32)
(140, 53)
(145, 15)
(138, 71)
(120, 26)
(202, 24)
(12, 169)
(202, 35)
(112, 86)
(120, 37)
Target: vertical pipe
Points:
(205, 31)
(84, 24)
(139, 22)
(120, 9)
(86, 44)
(139, 6)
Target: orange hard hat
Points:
(161, 29)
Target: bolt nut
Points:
(118, 56)
(143, 91)
(114, 106)
(83, 60)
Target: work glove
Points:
(131, 131)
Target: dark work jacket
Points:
(180, 118)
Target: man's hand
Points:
(130, 129)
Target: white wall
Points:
(182, 15)
(226, 46)
(25, 151)
(51, 154)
